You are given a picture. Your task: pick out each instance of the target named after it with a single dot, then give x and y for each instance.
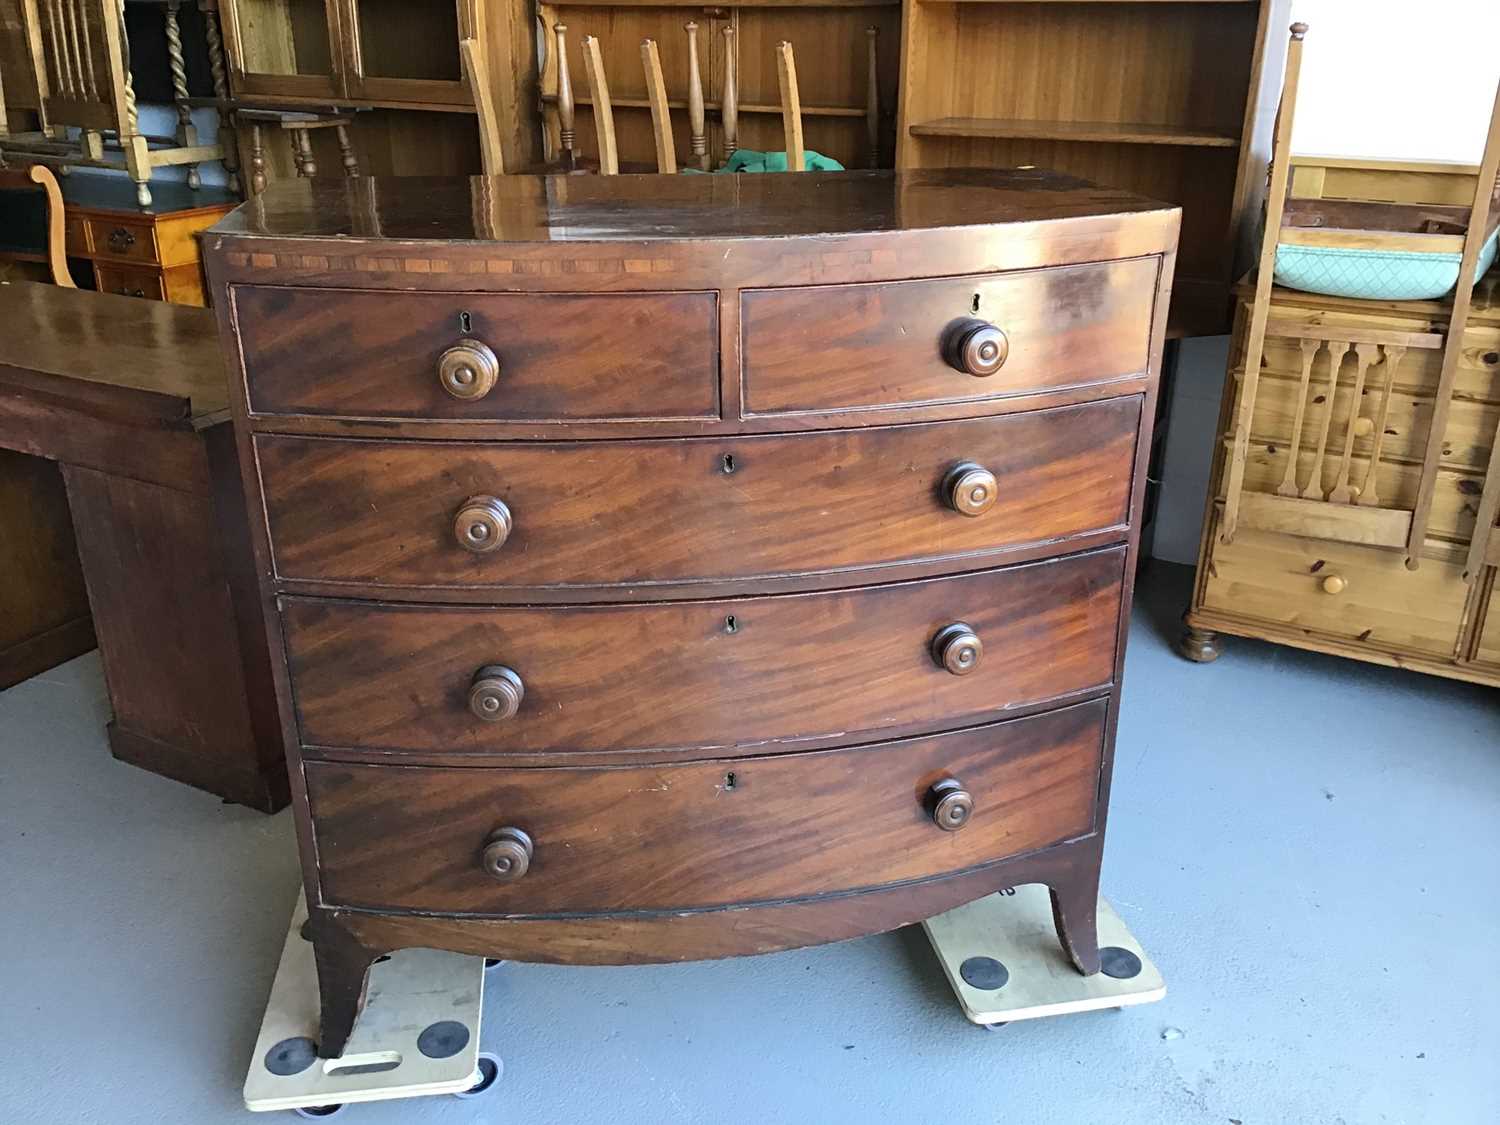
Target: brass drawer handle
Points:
(950, 804)
(976, 347)
(121, 239)
(970, 489)
(468, 370)
(495, 693)
(957, 648)
(482, 525)
(507, 855)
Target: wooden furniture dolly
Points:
(671, 567)
(128, 397)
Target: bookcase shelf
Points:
(1111, 132)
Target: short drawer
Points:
(871, 347)
(128, 282)
(1318, 586)
(705, 674)
(638, 512)
(123, 241)
(703, 834)
(538, 357)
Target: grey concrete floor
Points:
(1306, 846)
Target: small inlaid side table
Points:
(129, 398)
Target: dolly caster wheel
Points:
(493, 963)
(318, 1110)
(992, 1026)
(490, 1070)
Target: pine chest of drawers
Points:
(680, 567)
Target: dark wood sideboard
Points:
(128, 399)
(677, 567)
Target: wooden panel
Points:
(117, 241)
(562, 356)
(1280, 579)
(640, 512)
(1488, 649)
(717, 674)
(879, 346)
(44, 609)
(787, 826)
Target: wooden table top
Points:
(124, 357)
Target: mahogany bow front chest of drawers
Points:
(679, 567)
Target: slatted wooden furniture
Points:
(128, 399)
(720, 70)
(79, 59)
(1174, 100)
(399, 63)
(651, 596)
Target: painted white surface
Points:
(1385, 78)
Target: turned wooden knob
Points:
(468, 370)
(1363, 427)
(950, 804)
(1334, 584)
(507, 855)
(976, 347)
(496, 693)
(482, 524)
(970, 489)
(957, 648)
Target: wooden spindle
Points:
(303, 153)
(1368, 494)
(1364, 356)
(91, 83)
(177, 64)
(346, 150)
(1310, 349)
(604, 112)
(565, 132)
(791, 105)
(661, 114)
(56, 31)
(872, 99)
(729, 111)
(73, 46)
(697, 127)
(257, 159)
(214, 38)
(1337, 349)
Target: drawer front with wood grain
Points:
(123, 241)
(414, 514)
(535, 357)
(702, 834)
(870, 347)
(1365, 594)
(130, 282)
(709, 675)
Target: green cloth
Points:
(748, 160)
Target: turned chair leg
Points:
(343, 975)
(1075, 908)
(346, 151)
(1201, 646)
(302, 154)
(257, 160)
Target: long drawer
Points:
(549, 357)
(869, 347)
(702, 675)
(393, 514)
(702, 834)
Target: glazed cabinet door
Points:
(407, 50)
(284, 48)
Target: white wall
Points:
(1388, 78)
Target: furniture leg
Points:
(137, 152)
(565, 115)
(215, 39)
(343, 975)
(346, 151)
(697, 128)
(1201, 646)
(302, 153)
(1075, 905)
(729, 111)
(257, 160)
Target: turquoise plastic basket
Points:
(1377, 275)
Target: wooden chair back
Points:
(37, 178)
(477, 75)
(791, 106)
(604, 110)
(1351, 510)
(81, 61)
